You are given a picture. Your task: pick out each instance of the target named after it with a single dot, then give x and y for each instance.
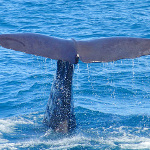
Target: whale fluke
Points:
(98, 50)
(59, 113)
(112, 49)
(40, 45)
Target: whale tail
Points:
(98, 50)
(40, 45)
(112, 49)
(60, 112)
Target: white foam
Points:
(121, 137)
(3, 141)
(125, 142)
(7, 125)
(142, 144)
(131, 141)
(64, 143)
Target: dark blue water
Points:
(112, 100)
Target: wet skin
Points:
(59, 113)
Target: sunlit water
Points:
(112, 100)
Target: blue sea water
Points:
(112, 100)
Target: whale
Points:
(59, 114)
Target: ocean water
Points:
(112, 100)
